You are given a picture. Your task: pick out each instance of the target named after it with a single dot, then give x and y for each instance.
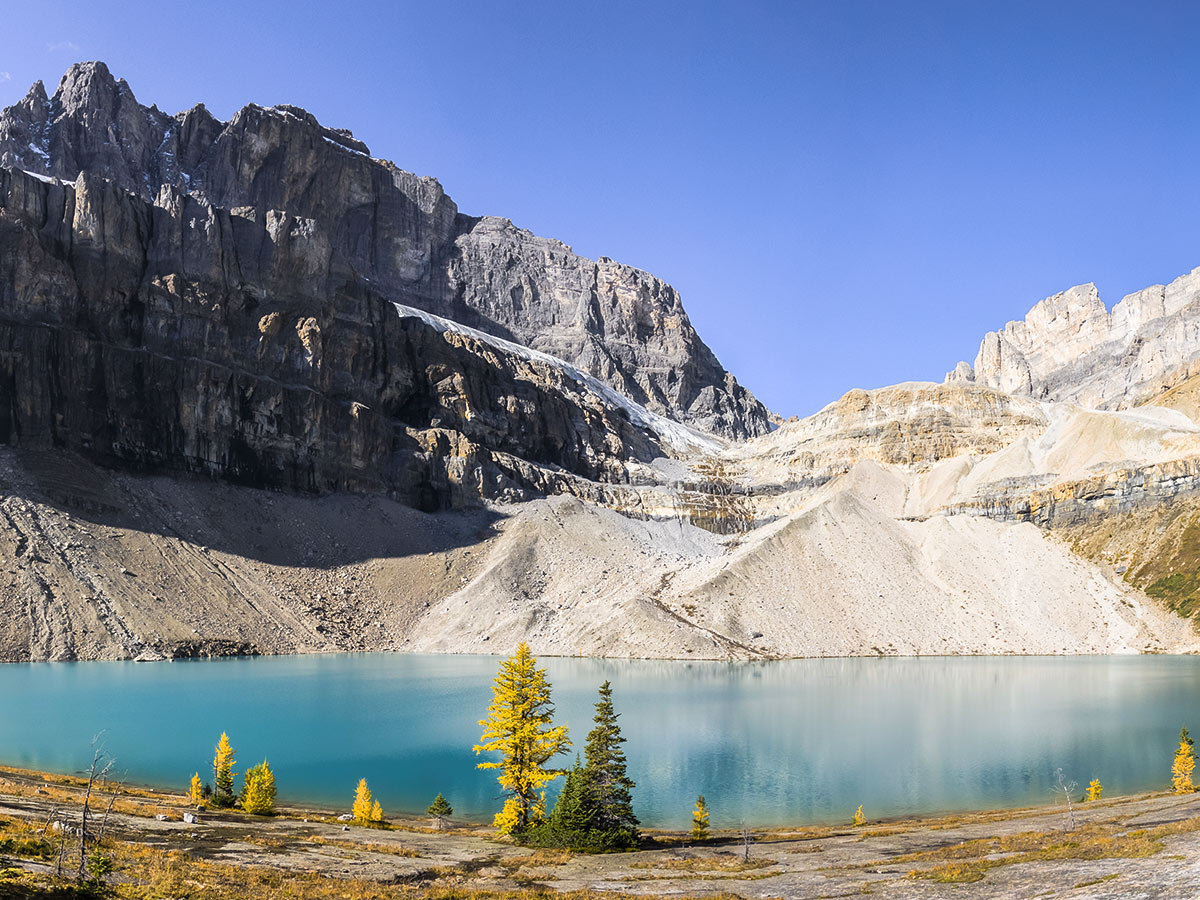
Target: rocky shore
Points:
(1140, 846)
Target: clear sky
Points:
(847, 194)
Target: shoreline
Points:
(1143, 843)
(762, 659)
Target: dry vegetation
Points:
(970, 860)
(1157, 549)
(304, 855)
(724, 862)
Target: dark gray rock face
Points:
(177, 336)
(357, 221)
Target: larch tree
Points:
(223, 761)
(520, 728)
(1184, 764)
(196, 791)
(608, 784)
(362, 809)
(700, 820)
(258, 794)
(1094, 790)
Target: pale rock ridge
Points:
(1069, 347)
(841, 577)
(914, 424)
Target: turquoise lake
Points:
(769, 743)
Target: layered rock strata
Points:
(176, 336)
(1071, 348)
(368, 226)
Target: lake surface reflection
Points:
(771, 743)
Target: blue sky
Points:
(847, 194)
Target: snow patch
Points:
(166, 137)
(676, 435)
(341, 146)
(46, 178)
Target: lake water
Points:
(769, 743)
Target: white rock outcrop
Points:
(1070, 347)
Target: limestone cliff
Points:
(1070, 347)
(367, 226)
(178, 337)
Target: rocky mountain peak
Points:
(36, 96)
(1070, 347)
(87, 87)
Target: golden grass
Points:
(724, 862)
(153, 874)
(882, 832)
(967, 862)
(18, 838)
(1099, 880)
(368, 847)
(69, 792)
(544, 857)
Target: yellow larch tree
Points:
(700, 820)
(376, 813)
(1184, 764)
(1094, 790)
(859, 818)
(362, 808)
(520, 728)
(196, 791)
(258, 796)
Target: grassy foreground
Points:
(1142, 844)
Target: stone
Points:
(134, 334)
(1070, 348)
(349, 221)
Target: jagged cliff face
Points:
(370, 227)
(176, 336)
(1071, 348)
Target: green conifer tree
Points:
(223, 760)
(608, 784)
(439, 809)
(572, 821)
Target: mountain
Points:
(364, 225)
(1070, 347)
(263, 393)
